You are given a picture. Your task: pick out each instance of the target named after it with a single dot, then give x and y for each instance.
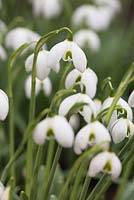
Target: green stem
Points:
(66, 71)
(85, 188)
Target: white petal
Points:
(52, 8)
(63, 132)
(4, 105)
(29, 63)
(79, 58)
(47, 86)
(28, 87)
(116, 167)
(98, 105)
(3, 54)
(1, 188)
(74, 121)
(71, 78)
(131, 99)
(6, 194)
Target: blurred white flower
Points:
(123, 104)
(4, 105)
(131, 99)
(47, 8)
(92, 134)
(121, 129)
(74, 121)
(18, 36)
(114, 5)
(88, 111)
(4, 192)
(44, 85)
(3, 27)
(69, 51)
(87, 38)
(105, 162)
(42, 66)
(88, 80)
(56, 127)
(3, 54)
(98, 105)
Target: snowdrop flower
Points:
(113, 4)
(4, 192)
(105, 162)
(18, 36)
(131, 99)
(47, 8)
(107, 103)
(92, 134)
(3, 54)
(3, 27)
(121, 129)
(44, 85)
(88, 111)
(56, 127)
(69, 51)
(42, 66)
(88, 80)
(74, 121)
(87, 38)
(98, 105)
(4, 105)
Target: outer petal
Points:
(40, 132)
(98, 163)
(1, 188)
(56, 53)
(47, 86)
(131, 99)
(63, 132)
(6, 194)
(71, 78)
(79, 58)
(28, 87)
(98, 104)
(74, 121)
(4, 105)
(29, 63)
(116, 167)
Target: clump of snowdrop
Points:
(74, 121)
(106, 162)
(4, 192)
(92, 134)
(48, 9)
(131, 99)
(4, 105)
(88, 81)
(43, 67)
(56, 127)
(124, 107)
(44, 85)
(18, 36)
(69, 51)
(87, 39)
(3, 54)
(121, 129)
(88, 111)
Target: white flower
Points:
(88, 79)
(114, 5)
(69, 51)
(98, 105)
(47, 8)
(44, 85)
(42, 66)
(92, 134)
(4, 105)
(88, 111)
(4, 192)
(18, 36)
(56, 127)
(105, 162)
(121, 129)
(107, 103)
(87, 38)
(3, 27)
(131, 99)
(3, 54)
(74, 121)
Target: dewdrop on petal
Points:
(131, 99)
(88, 111)
(3, 54)
(121, 129)
(74, 121)
(106, 162)
(69, 51)
(87, 39)
(4, 105)
(56, 127)
(92, 134)
(88, 80)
